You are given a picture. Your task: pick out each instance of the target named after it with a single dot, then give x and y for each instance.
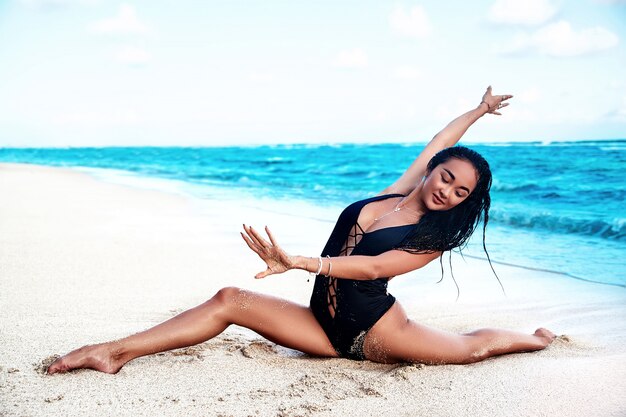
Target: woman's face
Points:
(449, 184)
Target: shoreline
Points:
(306, 208)
(84, 261)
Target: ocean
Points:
(558, 206)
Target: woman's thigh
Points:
(395, 338)
(283, 322)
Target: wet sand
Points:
(85, 261)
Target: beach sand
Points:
(85, 261)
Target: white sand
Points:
(84, 261)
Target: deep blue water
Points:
(558, 206)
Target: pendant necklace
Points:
(395, 209)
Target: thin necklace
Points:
(395, 209)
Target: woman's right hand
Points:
(276, 259)
(494, 102)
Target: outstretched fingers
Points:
(265, 250)
(501, 104)
(256, 237)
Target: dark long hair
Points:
(450, 229)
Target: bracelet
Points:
(319, 268)
(488, 106)
(330, 266)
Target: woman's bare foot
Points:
(99, 357)
(545, 335)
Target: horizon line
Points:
(314, 144)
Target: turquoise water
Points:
(557, 206)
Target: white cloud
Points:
(412, 24)
(351, 58)
(406, 72)
(560, 40)
(125, 22)
(526, 12)
(132, 55)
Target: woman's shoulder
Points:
(356, 206)
(380, 196)
(395, 190)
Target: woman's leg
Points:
(395, 338)
(281, 321)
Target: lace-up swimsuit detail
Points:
(347, 309)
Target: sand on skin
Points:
(84, 261)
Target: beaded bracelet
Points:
(488, 106)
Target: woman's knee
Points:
(221, 304)
(223, 300)
(226, 296)
(234, 300)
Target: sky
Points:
(241, 72)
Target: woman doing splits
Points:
(432, 208)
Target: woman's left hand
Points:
(495, 103)
(276, 259)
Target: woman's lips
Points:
(437, 200)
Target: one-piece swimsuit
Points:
(346, 308)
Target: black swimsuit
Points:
(347, 309)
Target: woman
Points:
(433, 207)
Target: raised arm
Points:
(448, 137)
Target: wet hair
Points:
(446, 230)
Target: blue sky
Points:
(100, 72)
